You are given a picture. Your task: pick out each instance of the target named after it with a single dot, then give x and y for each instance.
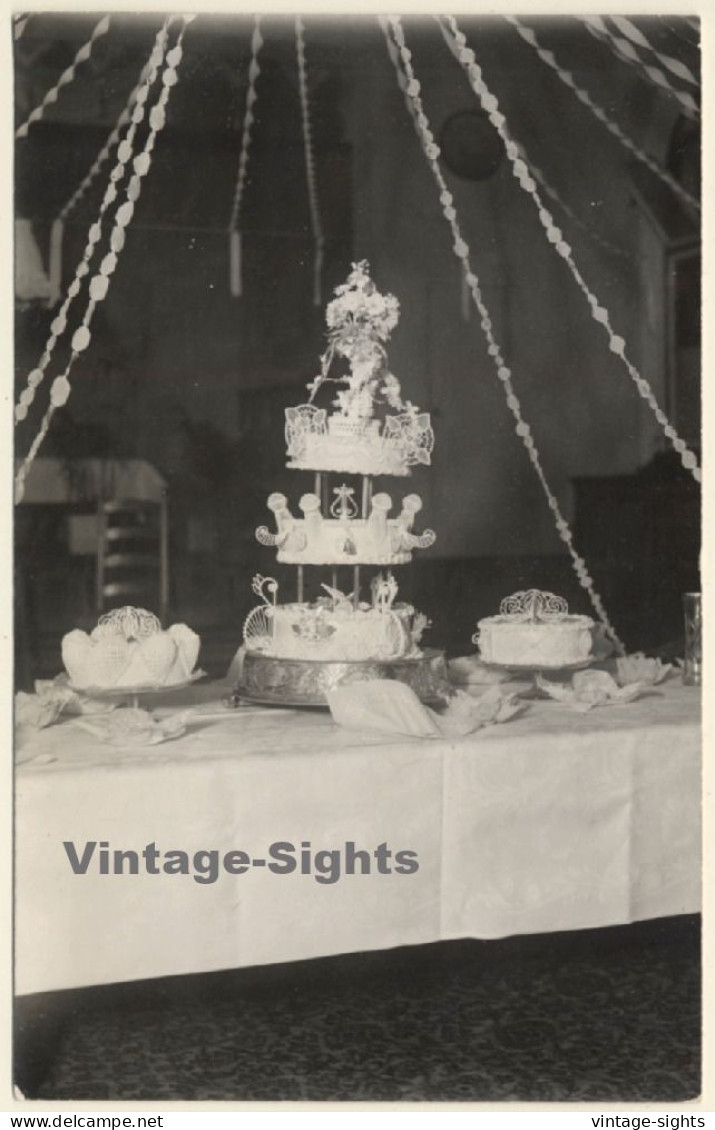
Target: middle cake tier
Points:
(343, 538)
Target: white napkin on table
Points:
(589, 689)
(390, 707)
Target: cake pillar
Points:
(366, 495)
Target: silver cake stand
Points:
(271, 681)
(533, 671)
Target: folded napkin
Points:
(133, 726)
(390, 707)
(637, 668)
(588, 689)
(52, 698)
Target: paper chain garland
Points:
(58, 224)
(626, 50)
(675, 66)
(104, 152)
(99, 285)
(461, 250)
(584, 97)
(458, 45)
(124, 156)
(65, 78)
(254, 71)
(315, 220)
(591, 233)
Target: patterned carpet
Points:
(611, 1015)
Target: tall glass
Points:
(692, 612)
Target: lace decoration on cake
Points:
(412, 433)
(534, 606)
(131, 623)
(258, 625)
(302, 421)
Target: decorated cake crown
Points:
(534, 606)
(343, 537)
(352, 439)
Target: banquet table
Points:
(553, 821)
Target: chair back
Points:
(133, 555)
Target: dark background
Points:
(196, 381)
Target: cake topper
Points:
(360, 320)
(534, 606)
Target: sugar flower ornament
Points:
(638, 668)
(588, 689)
(352, 438)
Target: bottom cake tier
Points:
(272, 680)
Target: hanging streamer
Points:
(568, 80)
(124, 156)
(591, 233)
(627, 51)
(19, 23)
(458, 45)
(106, 149)
(66, 77)
(315, 220)
(461, 250)
(58, 226)
(235, 240)
(675, 66)
(99, 285)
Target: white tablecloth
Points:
(553, 821)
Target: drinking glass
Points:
(692, 612)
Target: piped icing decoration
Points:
(534, 606)
(258, 627)
(128, 648)
(335, 626)
(352, 438)
(344, 537)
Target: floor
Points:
(604, 1015)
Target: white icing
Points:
(318, 442)
(510, 643)
(342, 540)
(109, 659)
(344, 633)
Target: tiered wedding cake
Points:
(296, 651)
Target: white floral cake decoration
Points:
(360, 321)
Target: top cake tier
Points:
(372, 431)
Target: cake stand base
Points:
(273, 681)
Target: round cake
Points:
(535, 629)
(332, 628)
(129, 649)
